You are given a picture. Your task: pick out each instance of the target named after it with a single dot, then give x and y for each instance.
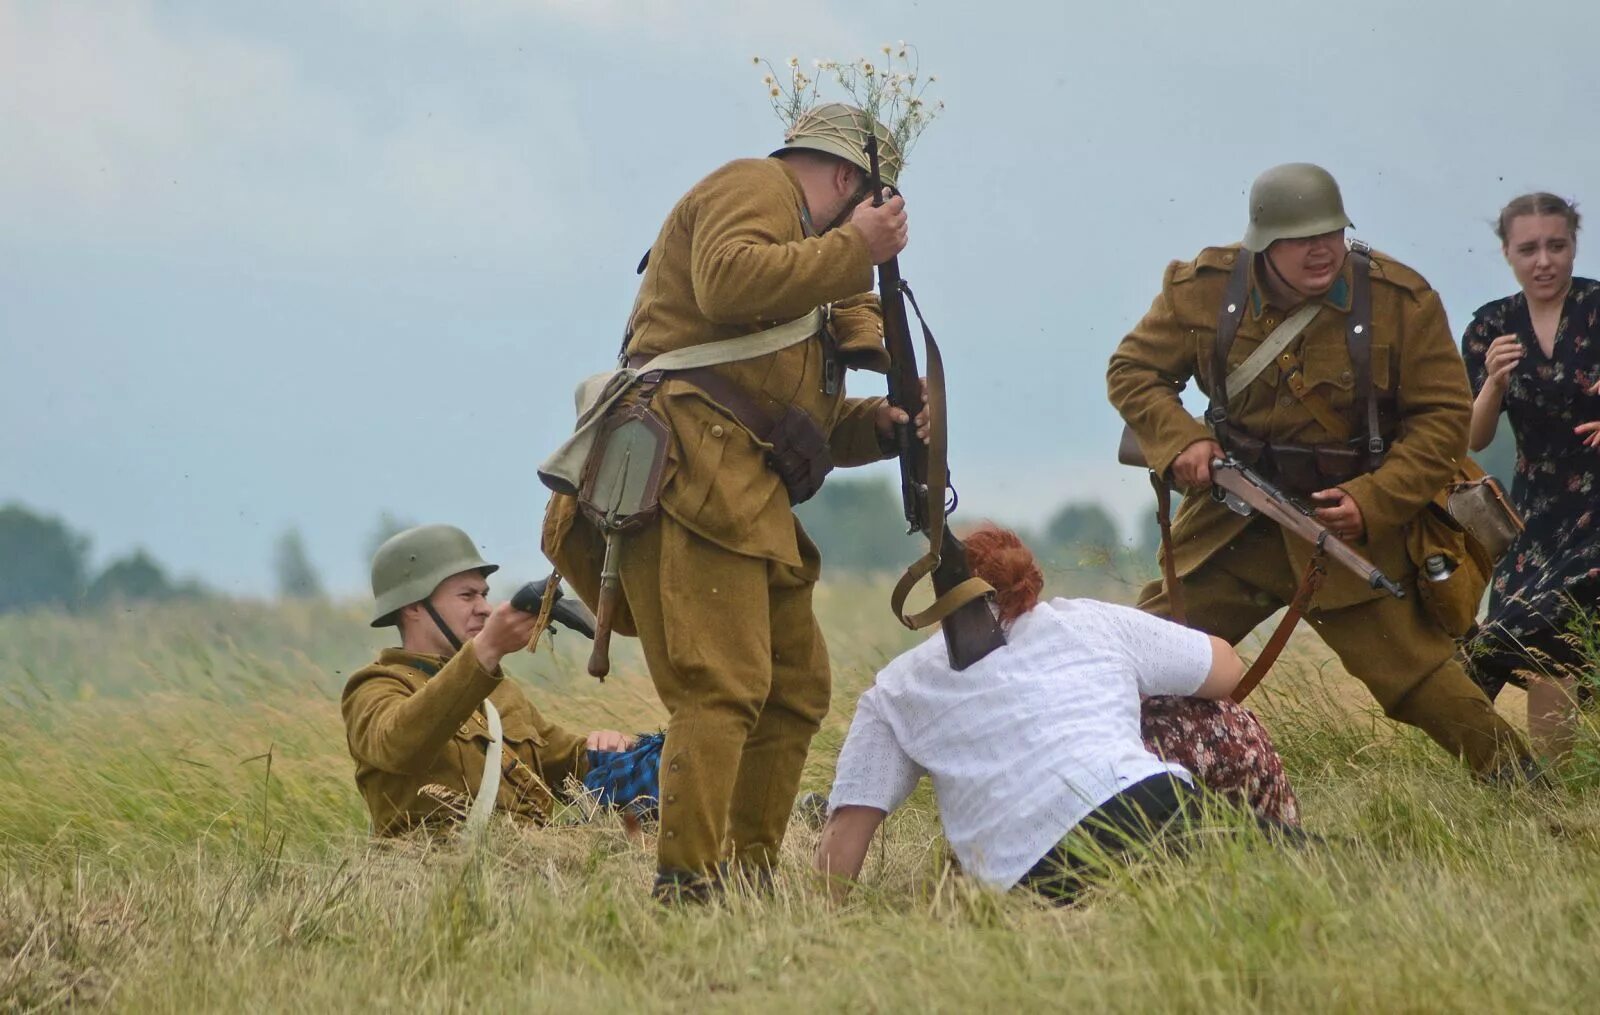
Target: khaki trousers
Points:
(1406, 661)
(738, 659)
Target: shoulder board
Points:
(1387, 269)
(1210, 259)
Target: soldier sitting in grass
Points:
(418, 720)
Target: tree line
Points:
(856, 523)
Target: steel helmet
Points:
(1293, 201)
(411, 564)
(837, 129)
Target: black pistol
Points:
(568, 612)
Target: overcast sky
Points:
(294, 264)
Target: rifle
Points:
(1245, 493)
(961, 605)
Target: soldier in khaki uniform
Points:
(414, 719)
(718, 586)
(1236, 571)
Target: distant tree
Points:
(131, 578)
(387, 525)
(42, 561)
(1082, 523)
(858, 525)
(297, 579)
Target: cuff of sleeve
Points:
(859, 266)
(1364, 491)
(1162, 452)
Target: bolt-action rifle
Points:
(961, 603)
(1245, 493)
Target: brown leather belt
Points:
(744, 407)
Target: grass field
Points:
(179, 831)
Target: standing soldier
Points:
(718, 584)
(1369, 443)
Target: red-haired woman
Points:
(1036, 751)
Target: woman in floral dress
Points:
(1535, 356)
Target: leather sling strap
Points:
(744, 406)
(1169, 570)
(1310, 582)
(938, 485)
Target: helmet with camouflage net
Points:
(411, 564)
(1293, 201)
(837, 129)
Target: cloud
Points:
(125, 126)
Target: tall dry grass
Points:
(179, 831)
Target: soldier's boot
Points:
(1456, 713)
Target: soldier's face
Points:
(1309, 264)
(463, 601)
(1540, 250)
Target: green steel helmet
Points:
(837, 129)
(1293, 201)
(411, 564)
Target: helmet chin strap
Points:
(444, 629)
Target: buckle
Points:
(1375, 445)
(1216, 414)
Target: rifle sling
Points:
(1169, 570)
(1310, 582)
(938, 483)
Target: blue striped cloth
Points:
(630, 778)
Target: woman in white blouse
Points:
(1039, 738)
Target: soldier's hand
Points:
(1341, 515)
(882, 226)
(507, 630)
(1191, 470)
(1501, 358)
(608, 740)
(889, 417)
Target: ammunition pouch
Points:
(798, 451)
(1299, 469)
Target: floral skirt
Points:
(1227, 750)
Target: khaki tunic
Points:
(414, 729)
(1416, 370)
(718, 588)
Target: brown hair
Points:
(998, 557)
(1540, 203)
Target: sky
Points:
(292, 265)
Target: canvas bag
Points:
(595, 395)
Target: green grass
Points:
(179, 831)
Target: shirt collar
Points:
(428, 664)
(1338, 295)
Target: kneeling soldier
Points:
(415, 718)
(1343, 388)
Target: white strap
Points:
(730, 350)
(1240, 376)
(489, 785)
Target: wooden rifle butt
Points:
(971, 631)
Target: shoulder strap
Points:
(489, 785)
(1358, 339)
(1227, 328)
(1286, 332)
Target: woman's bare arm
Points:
(843, 847)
